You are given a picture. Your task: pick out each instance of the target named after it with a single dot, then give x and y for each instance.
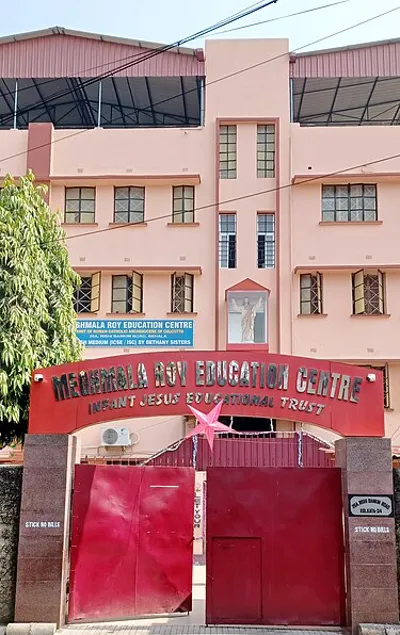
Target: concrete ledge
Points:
(379, 629)
(31, 628)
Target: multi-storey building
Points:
(183, 174)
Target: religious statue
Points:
(248, 312)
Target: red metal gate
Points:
(274, 546)
(132, 542)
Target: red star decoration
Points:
(208, 424)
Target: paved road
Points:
(192, 624)
(132, 628)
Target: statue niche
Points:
(246, 317)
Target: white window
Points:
(227, 241)
(265, 241)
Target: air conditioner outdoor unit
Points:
(115, 436)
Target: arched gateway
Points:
(275, 536)
(331, 395)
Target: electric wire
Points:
(219, 79)
(136, 55)
(235, 199)
(281, 55)
(143, 58)
(284, 17)
(238, 198)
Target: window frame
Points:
(92, 294)
(79, 212)
(315, 301)
(134, 293)
(130, 212)
(127, 287)
(183, 212)
(224, 239)
(227, 165)
(187, 301)
(266, 242)
(336, 211)
(265, 147)
(362, 305)
(137, 292)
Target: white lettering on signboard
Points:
(43, 524)
(372, 530)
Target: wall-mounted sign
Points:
(370, 505)
(372, 530)
(332, 395)
(132, 333)
(43, 524)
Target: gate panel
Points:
(297, 516)
(243, 602)
(132, 541)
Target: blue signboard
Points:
(130, 333)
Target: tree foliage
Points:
(37, 318)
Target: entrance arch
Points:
(341, 398)
(331, 395)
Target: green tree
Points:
(37, 318)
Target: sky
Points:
(166, 21)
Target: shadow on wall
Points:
(10, 502)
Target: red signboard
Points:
(343, 398)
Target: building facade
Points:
(240, 190)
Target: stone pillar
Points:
(370, 540)
(44, 528)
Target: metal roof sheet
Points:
(60, 30)
(62, 53)
(367, 60)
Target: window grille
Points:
(182, 293)
(129, 204)
(311, 294)
(227, 241)
(349, 203)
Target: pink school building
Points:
(237, 197)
